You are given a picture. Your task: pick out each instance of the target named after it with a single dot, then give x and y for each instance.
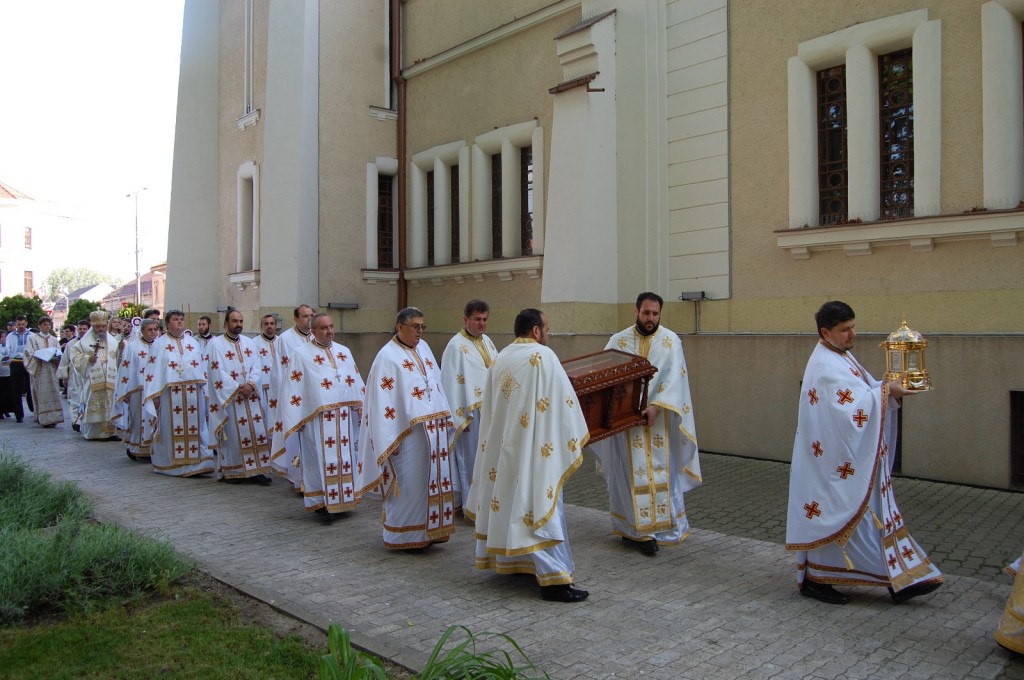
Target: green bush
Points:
(53, 557)
(344, 663)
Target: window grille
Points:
(496, 206)
(896, 116)
(385, 231)
(833, 171)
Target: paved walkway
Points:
(721, 605)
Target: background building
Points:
(747, 160)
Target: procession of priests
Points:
(488, 435)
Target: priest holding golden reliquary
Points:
(843, 520)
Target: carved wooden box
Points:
(611, 387)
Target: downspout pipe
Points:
(403, 175)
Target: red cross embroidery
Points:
(191, 409)
(431, 427)
(349, 380)
(249, 462)
(262, 439)
(176, 390)
(344, 415)
(407, 365)
(387, 383)
(124, 381)
(888, 525)
(263, 352)
(234, 375)
(445, 484)
(845, 397)
(907, 552)
(265, 369)
(429, 363)
(179, 449)
(447, 513)
(257, 418)
(178, 429)
(177, 410)
(152, 360)
(169, 348)
(342, 356)
(329, 416)
(348, 492)
(296, 376)
(284, 361)
(264, 458)
(860, 417)
(243, 421)
(389, 413)
(418, 393)
(333, 494)
(278, 426)
(318, 360)
(817, 449)
(813, 394)
(191, 429)
(173, 364)
(433, 487)
(296, 400)
(345, 467)
(326, 384)
(332, 468)
(433, 517)
(214, 365)
(149, 378)
(190, 389)
(812, 510)
(229, 355)
(329, 442)
(214, 408)
(218, 384)
(189, 347)
(385, 476)
(272, 404)
(142, 354)
(248, 352)
(845, 471)
(344, 441)
(892, 561)
(125, 364)
(444, 454)
(897, 516)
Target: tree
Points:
(31, 307)
(81, 309)
(67, 279)
(131, 310)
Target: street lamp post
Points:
(138, 278)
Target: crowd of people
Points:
(488, 435)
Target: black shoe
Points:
(20, 419)
(113, 438)
(913, 591)
(131, 455)
(75, 426)
(262, 480)
(563, 593)
(823, 592)
(648, 548)
(324, 516)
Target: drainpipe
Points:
(403, 178)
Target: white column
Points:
(481, 230)
(510, 198)
(442, 213)
(465, 193)
(417, 234)
(371, 216)
(803, 146)
(863, 129)
(1002, 114)
(927, 74)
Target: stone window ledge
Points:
(503, 269)
(921, 234)
(245, 279)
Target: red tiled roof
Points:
(7, 191)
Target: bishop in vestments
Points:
(94, 359)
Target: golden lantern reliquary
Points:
(904, 358)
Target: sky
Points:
(87, 115)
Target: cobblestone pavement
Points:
(722, 605)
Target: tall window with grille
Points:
(896, 117)
(833, 170)
(430, 218)
(385, 222)
(496, 206)
(28, 238)
(29, 283)
(526, 199)
(454, 183)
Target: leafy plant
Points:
(12, 306)
(345, 663)
(467, 661)
(81, 309)
(131, 310)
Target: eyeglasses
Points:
(418, 326)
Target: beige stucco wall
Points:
(352, 80)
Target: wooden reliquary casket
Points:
(611, 387)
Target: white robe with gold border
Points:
(464, 367)
(321, 408)
(288, 461)
(238, 428)
(532, 434)
(1010, 633)
(405, 444)
(177, 429)
(49, 410)
(131, 381)
(843, 521)
(648, 469)
(94, 358)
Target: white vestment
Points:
(287, 462)
(238, 426)
(94, 358)
(648, 469)
(404, 446)
(67, 372)
(321, 407)
(532, 434)
(843, 520)
(175, 408)
(128, 392)
(464, 367)
(49, 410)
(267, 350)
